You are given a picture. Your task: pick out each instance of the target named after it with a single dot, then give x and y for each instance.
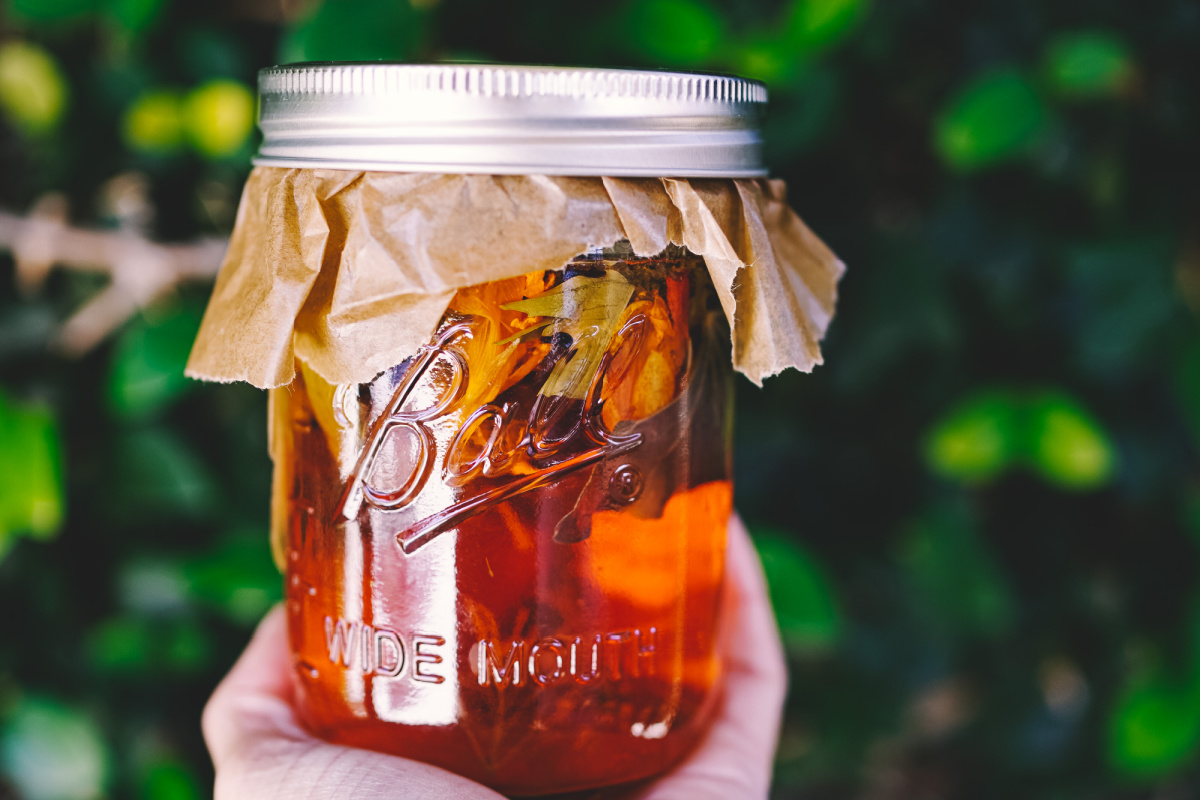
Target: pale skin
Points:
(261, 751)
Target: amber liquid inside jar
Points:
(505, 556)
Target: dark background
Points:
(980, 518)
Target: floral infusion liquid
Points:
(505, 555)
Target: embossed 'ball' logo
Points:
(552, 435)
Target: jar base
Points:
(562, 769)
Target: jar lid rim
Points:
(506, 119)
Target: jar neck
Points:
(622, 251)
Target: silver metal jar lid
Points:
(510, 120)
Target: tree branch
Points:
(141, 270)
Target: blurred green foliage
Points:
(808, 613)
(33, 91)
(355, 30)
(218, 117)
(145, 375)
(171, 780)
(1089, 64)
(1155, 727)
(953, 579)
(1068, 447)
(977, 440)
(153, 123)
(49, 11)
(681, 33)
(979, 521)
(996, 116)
(814, 24)
(1049, 432)
(31, 494)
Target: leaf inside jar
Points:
(588, 309)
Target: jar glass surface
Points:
(505, 556)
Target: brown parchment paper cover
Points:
(351, 271)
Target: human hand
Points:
(261, 751)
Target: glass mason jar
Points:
(504, 555)
(520, 577)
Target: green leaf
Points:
(1068, 447)
(527, 333)
(218, 117)
(995, 117)
(955, 576)
(153, 123)
(356, 30)
(676, 33)
(31, 488)
(170, 779)
(51, 752)
(238, 578)
(801, 592)
(50, 10)
(977, 440)
(815, 24)
(148, 362)
(1047, 431)
(1154, 728)
(588, 310)
(1089, 64)
(33, 88)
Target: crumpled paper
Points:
(351, 271)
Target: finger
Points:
(256, 694)
(260, 750)
(265, 666)
(757, 676)
(282, 769)
(736, 756)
